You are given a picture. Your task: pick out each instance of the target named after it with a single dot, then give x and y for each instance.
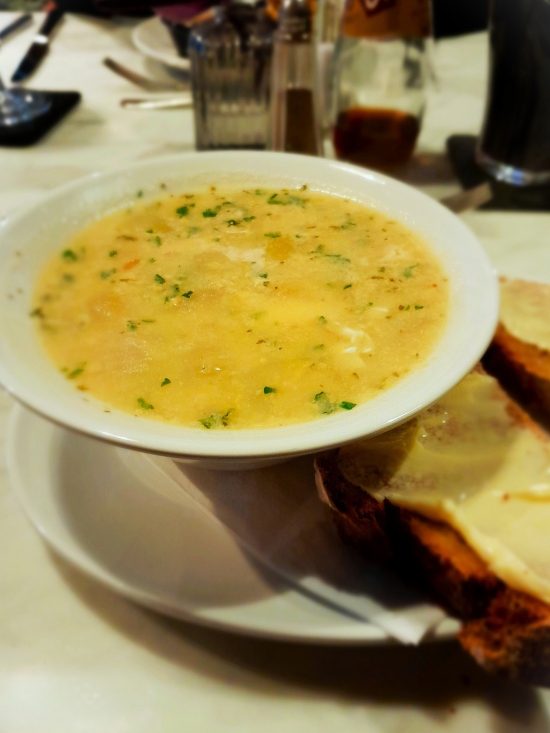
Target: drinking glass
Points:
(230, 77)
(514, 145)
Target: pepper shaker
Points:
(294, 117)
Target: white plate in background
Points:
(153, 39)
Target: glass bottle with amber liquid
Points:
(378, 89)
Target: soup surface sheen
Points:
(241, 309)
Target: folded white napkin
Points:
(276, 515)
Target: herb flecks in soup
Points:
(241, 309)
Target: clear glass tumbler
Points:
(230, 77)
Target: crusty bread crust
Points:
(430, 553)
(524, 372)
(506, 631)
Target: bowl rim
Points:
(286, 441)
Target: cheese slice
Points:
(468, 461)
(525, 311)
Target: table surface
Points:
(74, 656)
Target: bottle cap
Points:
(295, 21)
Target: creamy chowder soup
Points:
(223, 309)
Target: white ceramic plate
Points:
(162, 553)
(153, 39)
(29, 236)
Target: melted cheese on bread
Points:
(525, 311)
(470, 460)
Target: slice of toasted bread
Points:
(524, 372)
(505, 630)
(523, 368)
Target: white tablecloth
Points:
(74, 657)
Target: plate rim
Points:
(352, 633)
(169, 59)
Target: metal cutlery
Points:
(18, 24)
(39, 47)
(151, 85)
(185, 101)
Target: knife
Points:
(183, 102)
(18, 23)
(38, 48)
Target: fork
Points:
(152, 85)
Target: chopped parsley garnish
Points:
(148, 320)
(107, 274)
(319, 346)
(152, 259)
(258, 192)
(269, 390)
(324, 404)
(303, 188)
(216, 420)
(182, 211)
(132, 326)
(418, 307)
(188, 294)
(249, 218)
(148, 231)
(264, 275)
(144, 405)
(68, 278)
(232, 223)
(76, 372)
(211, 213)
(159, 279)
(113, 253)
(347, 405)
(157, 241)
(320, 251)
(273, 235)
(192, 230)
(69, 255)
(288, 200)
(139, 194)
(165, 381)
(347, 286)
(408, 271)
(348, 224)
(322, 320)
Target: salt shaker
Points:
(294, 117)
(230, 77)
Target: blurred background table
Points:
(75, 657)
